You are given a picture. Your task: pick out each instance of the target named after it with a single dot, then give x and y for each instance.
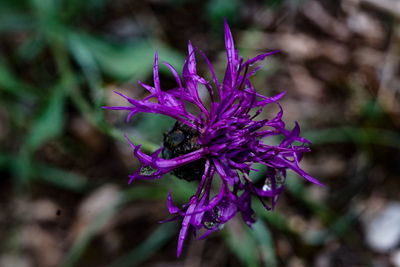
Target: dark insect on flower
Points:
(180, 140)
(225, 139)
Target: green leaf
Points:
(242, 244)
(258, 175)
(84, 57)
(11, 84)
(355, 135)
(148, 247)
(217, 10)
(262, 234)
(11, 21)
(32, 47)
(88, 64)
(47, 9)
(295, 185)
(273, 217)
(53, 175)
(181, 190)
(50, 121)
(131, 60)
(152, 126)
(61, 178)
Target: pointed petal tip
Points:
(118, 93)
(313, 180)
(296, 126)
(156, 58)
(190, 47)
(225, 21)
(227, 28)
(131, 178)
(179, 249)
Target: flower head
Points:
(224, 140)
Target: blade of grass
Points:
(12, 19)
(73, 90)
(296, 186)
(241, 243)
(130, 60)
(140, 192)
(11, 84)
(158, 191)
(79, 247)
(340, 227)
(354, 134)
(61, 178)
(50, 121)
(273, 217)
(154, 242)
(84, 57)
(47, 125)
(56, 176)
(262, 234)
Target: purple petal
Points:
(260, 57)
(171, 208)
(157, 80)
(230, 74)
(184, 229)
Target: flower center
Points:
(180, 140)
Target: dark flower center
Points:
(180, 140)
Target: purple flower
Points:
(224, 139)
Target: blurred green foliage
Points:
(52, 42)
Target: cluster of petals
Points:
(231, 141)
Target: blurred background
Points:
(64, 165)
